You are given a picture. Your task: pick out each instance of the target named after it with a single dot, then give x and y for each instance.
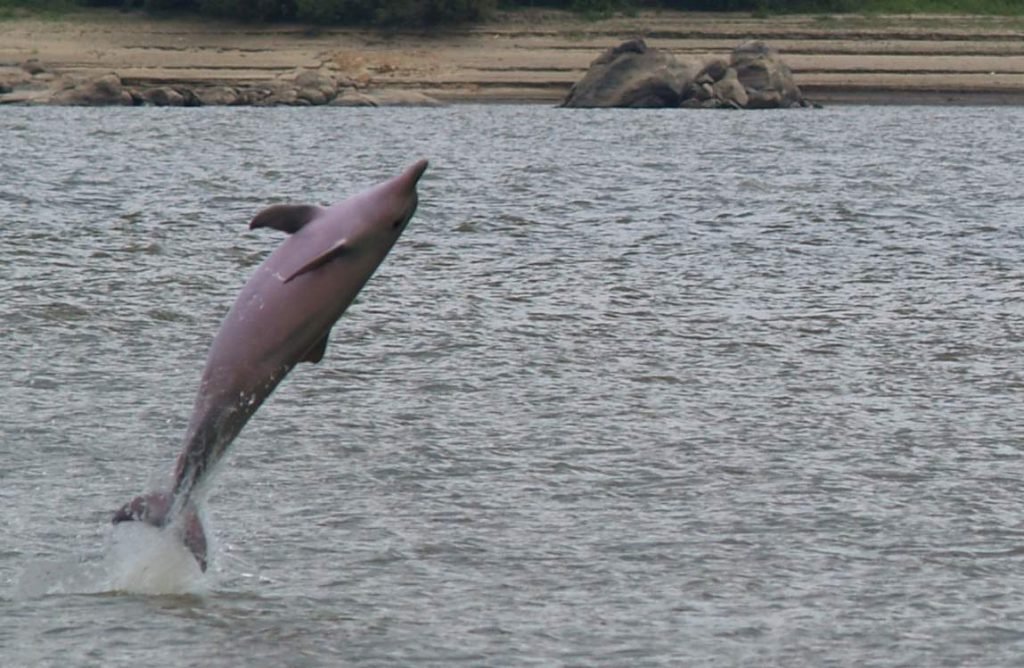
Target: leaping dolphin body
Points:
(282, 316)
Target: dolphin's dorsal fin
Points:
(288, 218)
(336, 250)
(316, 353)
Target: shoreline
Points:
(528, 56)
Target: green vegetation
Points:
(53, 9)
(353, 12)
(433, 12)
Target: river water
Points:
(634, 388)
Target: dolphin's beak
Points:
(411, 176)
(404, 187)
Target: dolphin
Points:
(282, 316)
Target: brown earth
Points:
(535, 56)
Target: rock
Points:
(404, 98)
(218, 96)
(15, 77)
(190, 97)
(252, 97)
(315, 87)
(279, 94)
(163, 96)
(343, 81)
(696, 93)
(353, 98)
(33, 66)
(713, 71)
(767, 80)
(103, 90)
(287, 98)
(631, 75)
(385, 98)
(19, 87)
(730, 91)
(300, 87)
(26, 97)
(754, 78)
(312, 95)
(765, 99)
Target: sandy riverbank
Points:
(536, 56)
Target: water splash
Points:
(138, 559)
(146, 560)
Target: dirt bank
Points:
(536, 56)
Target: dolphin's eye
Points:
(398, 223)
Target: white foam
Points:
(138, 559)
(143, 559)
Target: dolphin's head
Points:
(349, 239)
(359, 231)
(382, 212)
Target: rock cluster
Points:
(104, 90)
(631, 75)
(31, 83)
(754, 77)
(635, 75)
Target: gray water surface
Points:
(635, 388)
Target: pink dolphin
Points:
(282, 316)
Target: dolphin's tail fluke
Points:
(154, 509)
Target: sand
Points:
(535, 56)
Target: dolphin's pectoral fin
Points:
(316, 353)
(288, 218)
(338, 249)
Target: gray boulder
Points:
(754, 78)
(730, 91)
(33, 66)
(631, 75)
(279, 93)
(385, 98)
(163, 96)
(713, 71)
(353, 98)
(15, 77)
(104, 90)
(315, 87)
(218, 96)
(768, 81)
(299, 88)
(404, 98)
